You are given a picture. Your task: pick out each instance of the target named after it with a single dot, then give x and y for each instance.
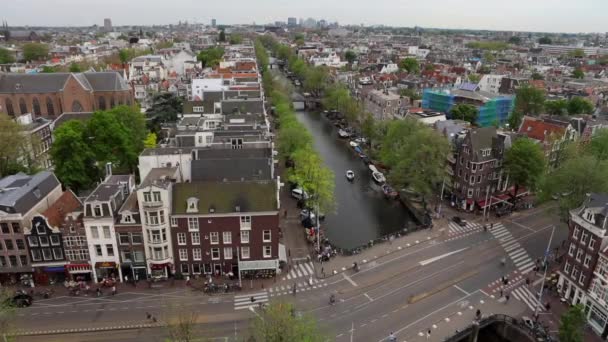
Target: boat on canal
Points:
(343, 134)
(389, 192)
(350, 175)
(377, 176)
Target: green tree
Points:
(35, 51)
(315, 79)
(123, 54)
(525, 164)
(416, 155)
(529, 100)
(222, 36)
(262, 56)
(12, 145)
(74, 67)
(210, 57)
(536, 76)
(514, 40)
(410, 93)
(135, 123)
(544, 40)
(73, 157)
(278, 322)
(111, 142)
(298, 67)
(312, 176)
(150, 141)
(410, 65)
(465, 112)
(336, 97)
(474, 78)
(236, 38)
(7, 314)
(557, 107)
(489, 57)
(578, 73)
(572, 324)
(579, 105)
(577, 53)
(46, 69)
(292, 137)
(350, 56)
(165, 44)
(165, 108)
(598, 147)
(6, 57)
(515, 119)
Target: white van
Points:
(299, 194)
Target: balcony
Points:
(157, 242)
(153, 204)
(160, 259)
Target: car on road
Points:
(20, 300)
(459, 221)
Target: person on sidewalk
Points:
(293, 290)
(428, 334)
(113, 290)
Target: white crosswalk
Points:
(516, 252)
(455, 228)
(300, 287)
(244, 301)
(300, 270)
(524, 295)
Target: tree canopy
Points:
(524, 163)
(410, 65)
(350, 56)
(210, 57)
(35, 52)
(514, 40)
(13, 147)
(529, 100)
(316, 79)
(572, 323)
(557, 107)
(235, 38)
(165, 108)
(278, 322)
(474, 78)
(579, 105)
(6, 56)
(222, 36)
(544, 40)
(74, 67)
(578, 73)
(536, 76)
(465, 112)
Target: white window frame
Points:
(227, 253)
(227, 237)
(245, 222)
(193, 224)
(577, 230)
(195, 238)
(269, 235)
(587, 260)
(579, 254)
(245, 233)
(173, 221)
(567, 267)
(106, 229)
(584, 238)
(582, 278)
(214, 238)
(591, 243)
(183, 254)
(94, 232)
(197, 254)
(571, 249)
(267, 251)
(213, 250)
(181, 239)
(245, 252)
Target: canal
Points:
(362, 212)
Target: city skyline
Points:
(537, 16)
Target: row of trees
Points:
(531, 101)
(81, 149)
(295, 142)
(31, 52)
(210, 57)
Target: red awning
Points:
(493, 200)
(159, 266)
(78, 266)
(469, 201)
(105, 264)
(520, 192)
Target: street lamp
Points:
(542, 285)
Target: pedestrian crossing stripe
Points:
(244, 301)
(512, 247)
(456, 228)
(524, 295)
(517, 253)
(300, 270)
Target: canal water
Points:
(362, 212)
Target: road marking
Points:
(431, 260)
(458, 287)
(368, 297)
(349, 280)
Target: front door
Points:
(217, 269)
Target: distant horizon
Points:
(539, 16)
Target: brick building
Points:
(226, 227)
(130, 240)
(50, 95)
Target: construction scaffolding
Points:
(496, 111)
(436, 99)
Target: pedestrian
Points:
(293, 289)
(310, 281)
(285, 214)
(98, 292)
(527, 281)
(428, 334)
(491, 226)
(188, 280)
(323, 272)
(501, 293)
(507, 297)
(127, 279)
(113, 290)
(252, 298)
(478, 314)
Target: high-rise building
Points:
(292, 22)
(213, 22)
(107, 25)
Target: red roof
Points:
(65, 204)
(538, 84)
(537, 129)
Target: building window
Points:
(98, 250)
(193, 223)
(22, 106)
(9, 107)
(110, 250)
(58, 253)
(23, 260)
(4, 228)
(36, 256)
(579, 255)
(106, 232)
(123, 238)
(196, 238)
(581, 279)
(576, 232)
(584, 238)
(184, 268)
(40, 229)
(591, 243)
(9, 245)
(266, 236)
(574, 272)
(267, 251)
(244, 236)
(571, 249)
(587, 261)
(136, 238)
(567, 268)
(20, 244)
(246, 222)
(153, 218)
(77, 107)
(16, 227)
(196, 268)
(196, 254)
(47, 254)
(50, 109)
(181, 239)
(36, 107)
(245, 252)
(227, 253)
(102, 103)
(215, 254)
(32, 240)
(183, 254)
(215, 238)
(55, 240)
(44, 241)
(3, 261)
(227, 237)
(138, 256)
(173, 221)
(147, 197)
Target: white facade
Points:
(331, 60)
(179, 61)
(163, 158)
(155, 207)
(597, 300)
(490, 83)
(101, 240)
(201, 85)
(389, 68)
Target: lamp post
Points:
(238, 258)
(542, 284)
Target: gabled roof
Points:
(55, 82)
(539, 130)
(65, 204)
(19, 193)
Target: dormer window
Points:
(192, 205)
(589, 216)
(97, 210)
(127, 218)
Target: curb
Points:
(83, 330)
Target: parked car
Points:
(459, 221)
(503, 211)
(299, 194)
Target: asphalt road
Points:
(406, 292)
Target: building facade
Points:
(45, 245)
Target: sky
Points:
(509, 15)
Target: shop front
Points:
(78, 272)
(50, 274)
(160, 270)
(107, 269)
(596, 316)
(134, 270)
(258, 268)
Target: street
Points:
(434, 284)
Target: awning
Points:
(105, 264)
(520, 192)
(493, 200)
(159, 266)
(54, 269)
(78, 268)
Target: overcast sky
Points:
(513, 15)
